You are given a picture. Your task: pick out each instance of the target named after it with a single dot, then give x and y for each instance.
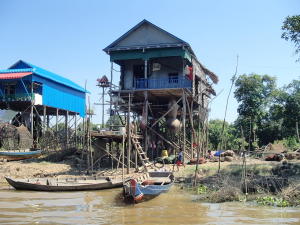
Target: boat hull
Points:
(14, 156)
(53, 186)
(136, 192)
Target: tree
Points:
(253, 93)
(292, 108)
(215, 132)
(291, 31)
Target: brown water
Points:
(104, 207)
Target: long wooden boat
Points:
(155, 184)
(15, 155)
(70, 184)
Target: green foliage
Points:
(202, 189)
(290, 143)
(267, 113)
(253, 92)
(272, 201)
(215, 135)
(291, 31)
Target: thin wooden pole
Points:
(128, 134)
(103, 126)
(44, 119)
(146, 107)
(297, 131)
(171, 108)
(123, 157)
(67, 128)
(89, 137)
(75, 124)
(184, 123)
(110, 98)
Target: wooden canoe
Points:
(153, 185)
(71, 184)
(14, 155)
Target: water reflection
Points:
(105, 207)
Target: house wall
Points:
(147, 35)
(62, 97)
(168, 65)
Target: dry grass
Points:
(292, 194)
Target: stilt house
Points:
(161, 79)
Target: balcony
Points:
(16, 97)
(163, 83)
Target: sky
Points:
(67, 37)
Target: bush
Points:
(290, 143)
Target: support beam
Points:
(146, 108)
(75, 124)
(128, 134)
(184, 121)
(110, 89)
(44, 119)
(67, 128)
(166, 113)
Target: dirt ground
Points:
(39, 168)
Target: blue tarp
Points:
(218, 153)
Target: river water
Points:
(105, 207)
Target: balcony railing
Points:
(163, 83)
(16, 97)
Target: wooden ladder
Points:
(142, 155)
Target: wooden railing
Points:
(162, 83)
(16, 97)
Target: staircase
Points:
(142, 155)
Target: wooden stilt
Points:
(128, 134)
(184, 123)
(44, 120)
(67, 128)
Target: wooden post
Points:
(56, 123)
(75, 124)
(184, 122)
(146, 107)
(44, 120)
(199, 142)
(128, 134)
(123, 158)
(297, 131)
(67, 129)
(31, 110)
(110, 150)
(56, 129)
(110, 99)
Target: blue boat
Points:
(17, 155)
(153, 185)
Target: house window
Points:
(10, 89)
(173, 78)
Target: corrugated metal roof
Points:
(43, 73)
(13, 75)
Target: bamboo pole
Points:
(128, 134)
(184, 122)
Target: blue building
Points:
(24, 84)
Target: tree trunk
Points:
(297, 131)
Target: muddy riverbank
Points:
(265, 182)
